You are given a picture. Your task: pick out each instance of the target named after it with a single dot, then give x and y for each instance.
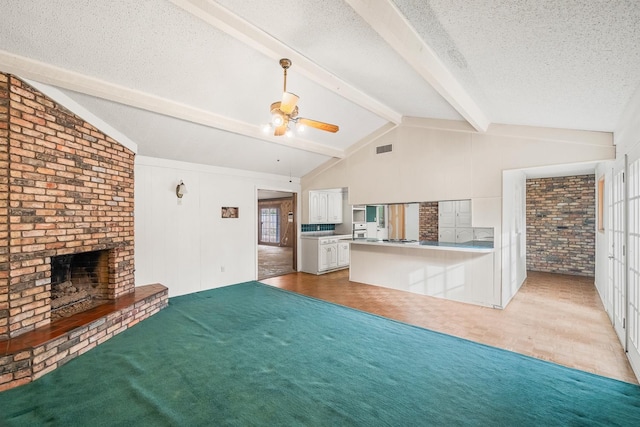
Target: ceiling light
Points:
(277, 120)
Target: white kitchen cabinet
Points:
(447, 214)
(334, 208)
(343, 254)
(318, 201)
(324, 254)
(464, 234)
(447, 234)
(328, 256)
(463, 213)
(325, 207)
(454, 221)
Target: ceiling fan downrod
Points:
(285, 64)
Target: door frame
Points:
(617, 253)
(294, 227)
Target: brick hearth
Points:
(38, 352)
(65, 188)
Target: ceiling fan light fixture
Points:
(277, 120)
(267, 128)
(285, 112)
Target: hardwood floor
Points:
(554, 317)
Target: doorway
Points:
(277, 239)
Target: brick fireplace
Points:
(66, 190)
(78, 282)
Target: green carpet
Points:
(250, 354)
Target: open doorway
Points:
(277, 240)
(561, 224)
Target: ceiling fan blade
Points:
(289, 101)
(318, 125)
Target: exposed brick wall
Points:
(561, 225)
(286, 227)
(4, 203)
(429, 221)
(70, 190)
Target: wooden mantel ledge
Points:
(62, 326)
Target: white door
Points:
(616, 256)
(633, 260)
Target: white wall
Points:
(514, 232)
(447, 160)
(184, 244)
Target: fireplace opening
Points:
(78, 282)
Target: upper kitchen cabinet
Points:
(454, 213)
(454, 221)
(447, 214)
(318, 204)
(325, 206)
(463, 213)
(334, 207)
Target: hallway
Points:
(274, 261)
(554, 317)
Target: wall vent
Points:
(384, 149)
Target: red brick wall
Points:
(70, 190)
(429, 221)
(561, 225)
(4, 203)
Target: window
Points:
(270, 225)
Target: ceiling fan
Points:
(285, 112)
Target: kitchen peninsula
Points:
(464, 272)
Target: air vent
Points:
(384, 149)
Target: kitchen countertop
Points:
(471, 246)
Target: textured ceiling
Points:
(192, 80)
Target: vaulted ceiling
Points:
(192, 80)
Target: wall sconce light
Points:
(181, 190)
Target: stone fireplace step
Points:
(33, 354)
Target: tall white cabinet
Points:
(454, 221)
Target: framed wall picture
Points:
(229, 212)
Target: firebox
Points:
(78, 282)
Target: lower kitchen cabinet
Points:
(455, 235)
(343, 254)
(323, 254)
(327, 256)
